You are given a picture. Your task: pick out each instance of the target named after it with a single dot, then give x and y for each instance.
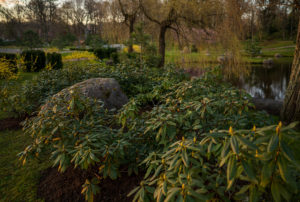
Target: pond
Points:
(268, 81)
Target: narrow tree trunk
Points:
(162, 45)
(131, 29)
(291, 107)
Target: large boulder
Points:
(105, 89)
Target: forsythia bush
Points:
(51, 50)
(34, 60)
(77, 55)
(6, 71)
(54, 60)
(136, 48)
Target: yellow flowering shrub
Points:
(51, 50)
(136, 48)
(79, 55)
(6, 71)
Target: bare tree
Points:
(129, 10)
(169, 15)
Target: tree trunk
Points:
(162, 45)
(291, 107)
(131, 29)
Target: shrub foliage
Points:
(54, 60)
(196, 140)
(6, 71)
(35, 60)
(11, 59)
(103, 53)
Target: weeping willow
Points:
(230, 36)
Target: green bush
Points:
(31, 39)
(12, 59)
(152, 60)
(222, 165)
(64, 40)
(55, 60)
(35, 60)
(94, 41)
(115, 57)
(82, 49)
(133, 55)
(132, 78)
(253, 48)
(103, 53)
(173, 128)
(194, 49)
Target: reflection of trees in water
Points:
(267, 81)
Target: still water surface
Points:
(268, 81)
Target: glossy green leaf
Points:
(247, 142)
(234, 144)
(266, 173)
(283, 168)
(172, 193)
(185, 158)
(287, 152)
(248, 170)
(231, 168)
(273, 143)
(275, 189)
(254, 194)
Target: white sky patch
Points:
(7, 3)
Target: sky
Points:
(7, 3)
(10, 3)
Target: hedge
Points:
(82, 49)
(55, 60)
(35, 60)
(11, 58)
(103, 53)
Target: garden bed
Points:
(175, 129)
(67, 186)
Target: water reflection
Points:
(268, 81)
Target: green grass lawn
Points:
(269, 49)
(276, 44)
(17, 182)
(285, 52)
(26, 76)
(22, 76)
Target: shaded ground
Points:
(11, 123)
(67, 186)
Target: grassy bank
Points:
(18, 183)
(209, 55)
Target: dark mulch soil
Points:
(67, 186)
(11, 123)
